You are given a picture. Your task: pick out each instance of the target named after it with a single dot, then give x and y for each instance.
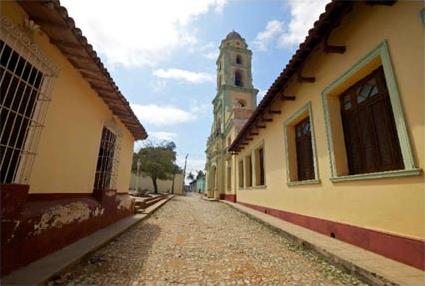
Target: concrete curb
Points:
(209, 199)
(41, 271)
(368, 273)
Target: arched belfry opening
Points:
(238, 78)
(239, 59)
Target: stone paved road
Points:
(192, 241)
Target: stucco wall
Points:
(69, 144)
(145, 183)
(392, 205)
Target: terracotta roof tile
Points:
(328, 20)
(60, 27)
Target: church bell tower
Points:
(234, 77)
(235, 101)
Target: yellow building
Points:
(67, 135)
(337, 143)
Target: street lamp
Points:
(137, 175)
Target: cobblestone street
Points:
(192, 241)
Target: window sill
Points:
(305, 182)
(378, 175)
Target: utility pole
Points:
(184, 171)
(137, 175)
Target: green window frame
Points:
(256, 182)
(378, 56)
(289, 136)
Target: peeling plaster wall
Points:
(60, 215)
(125, 202)
(62, 207)
(45, 226)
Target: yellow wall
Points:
(69, 144)
(392, 205)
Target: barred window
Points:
(106, 168)
(25, 80)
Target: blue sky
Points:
(162, 55)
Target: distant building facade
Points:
(200, 184)
(66, 135)
(336, 145)
(197, 185)
(233, 104)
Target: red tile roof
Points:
(56, 23)
(327, 21)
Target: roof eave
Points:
(50, 15)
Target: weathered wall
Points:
(45, 226)
(394, 206)
(58, 207)
(164, 186)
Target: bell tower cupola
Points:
(234, 62)
(234, 77)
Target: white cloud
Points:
(208, 50)
(303, 15)
(211, 55)
(193, 164)
(138, 33)
(161, 115)
(200, 108)
(272, 30)
(219, 5)
(261, 94)
(184, 75)
(158, 85)
(162, 135)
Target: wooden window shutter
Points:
(369, 129)
(304, 150)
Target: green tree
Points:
(200, 174)
(176, 170)
(191, 177)
(157, 161)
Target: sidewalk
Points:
(209, 199)
(40, 271)
(368, 266)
